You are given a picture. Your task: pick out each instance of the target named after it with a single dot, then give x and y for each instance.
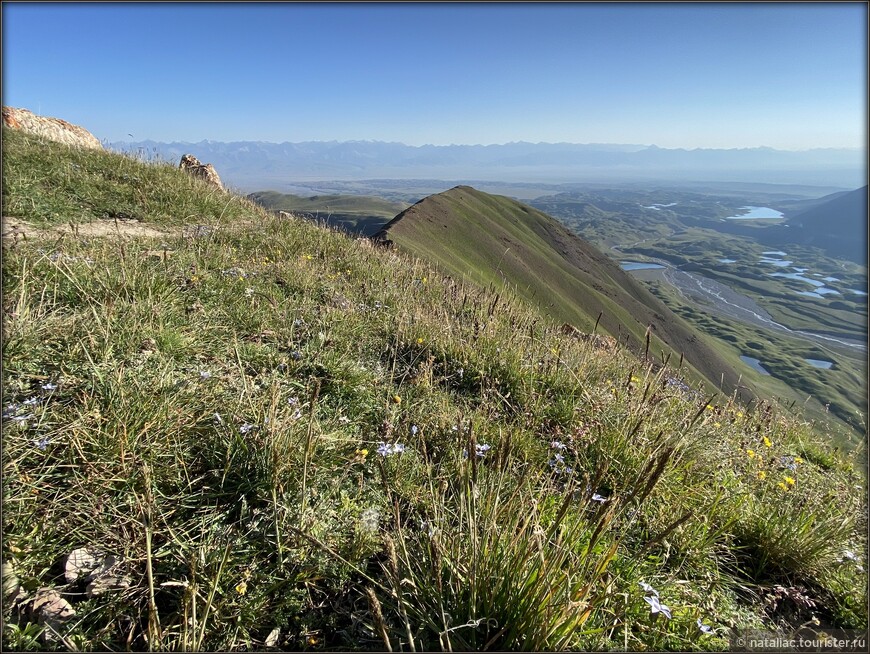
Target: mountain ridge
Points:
(494, 239)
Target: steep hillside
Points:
(838, 226)
(225, 430)
(495, 240)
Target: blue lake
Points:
(819, 292)
(754, 363)
(779, 263)
(798, 276)
(818, 363)
(754, 213)
(638, 265)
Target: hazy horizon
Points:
(638, 146)
(789, 76)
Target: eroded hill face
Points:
(494, 240)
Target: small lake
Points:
(779, 263)
(754, 363)
(819, 363)
(638, 265)
(799, 277)
(819, 292)
(755, 213)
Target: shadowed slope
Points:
(495, 240)
(835, 226)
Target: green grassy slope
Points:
(495, 240)
(220, 409)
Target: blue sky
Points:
(788, 76)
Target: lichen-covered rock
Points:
(80, 563)
(96, 569)
(54, 129)
(206, 172)
(51, 610)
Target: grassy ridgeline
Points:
(222, 409)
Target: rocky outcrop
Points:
(53, 129)
(193, 166)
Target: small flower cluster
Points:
(370, 520)
(557, 463)
(388, 449)
(21, 412)
(297, 411)
(480, 450)
(377, 305)
(235, 271)
(60, 256)
(790, 462)
(460, 428)
(198, 231)
(651, 597)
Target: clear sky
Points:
(789, 76)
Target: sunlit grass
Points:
(289, 438)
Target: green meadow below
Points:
(271, 435)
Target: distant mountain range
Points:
(258, 165)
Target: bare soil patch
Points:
(14, 229)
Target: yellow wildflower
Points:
(397, 399)
(789, 481)
(750, 454)
(740, 414)
(242, 587)
(797, 459)
(419, 341)
(781, 485)
(762, 475)
(767, 442)
(360, 456)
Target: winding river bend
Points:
(719, 298)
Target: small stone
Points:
(51, 610)
(272, 638)
(205, 172)
(80, 563)
(11, 583)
